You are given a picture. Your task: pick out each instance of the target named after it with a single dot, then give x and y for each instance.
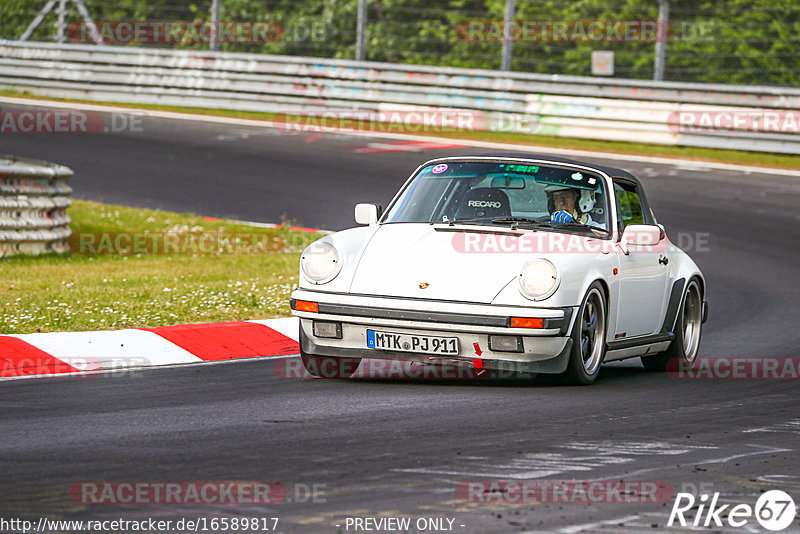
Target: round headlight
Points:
(538, 279)
(320, 263)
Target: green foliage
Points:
(712, 41)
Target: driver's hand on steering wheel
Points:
(561, 217)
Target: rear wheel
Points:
(588, 338)
(684, 348)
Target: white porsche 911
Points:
(529, 264)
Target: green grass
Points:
(84, 291)
(758, 159)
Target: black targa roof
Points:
(611, 171)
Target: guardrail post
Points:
(214, 45)
(508, 36)
(34, 197)
(661, 40)
(361, 29)
(61, 23)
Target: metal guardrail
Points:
(34, 197)
(567, 106)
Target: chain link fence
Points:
(750, 42)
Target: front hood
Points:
(402, 256)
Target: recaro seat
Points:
(483, 202)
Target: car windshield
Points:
(516, 194)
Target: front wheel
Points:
(684, 347)
(588, 338)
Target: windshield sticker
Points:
(528, 169)
(439, 169)
(577, 176)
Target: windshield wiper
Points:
(576, 224)
(529, 222)
(473, 219)
(515, 221)
(537, 223)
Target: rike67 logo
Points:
(774, 510)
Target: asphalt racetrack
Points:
(395, 448)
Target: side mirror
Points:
(367, 214)
(640, 235)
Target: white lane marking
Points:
(539, 465)
(780, 479)
(792, 426)
(416, 146)
(634, 448)
(237, 136)
(764, 450)
(288, 326)
(109, 349)
(692, 168)
(465, 142)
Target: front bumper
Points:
(543, 350)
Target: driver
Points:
(570, 205)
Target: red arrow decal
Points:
(478, 350)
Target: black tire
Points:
(327, 366)
(682, 352)
(588, 338)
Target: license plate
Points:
(412, 343)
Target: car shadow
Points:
(467, 377)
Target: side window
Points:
(629, 205)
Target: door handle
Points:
(663, 260)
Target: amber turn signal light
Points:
(306, 306)
(526, 322)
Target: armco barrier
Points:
(34, 198)
(567, 106)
